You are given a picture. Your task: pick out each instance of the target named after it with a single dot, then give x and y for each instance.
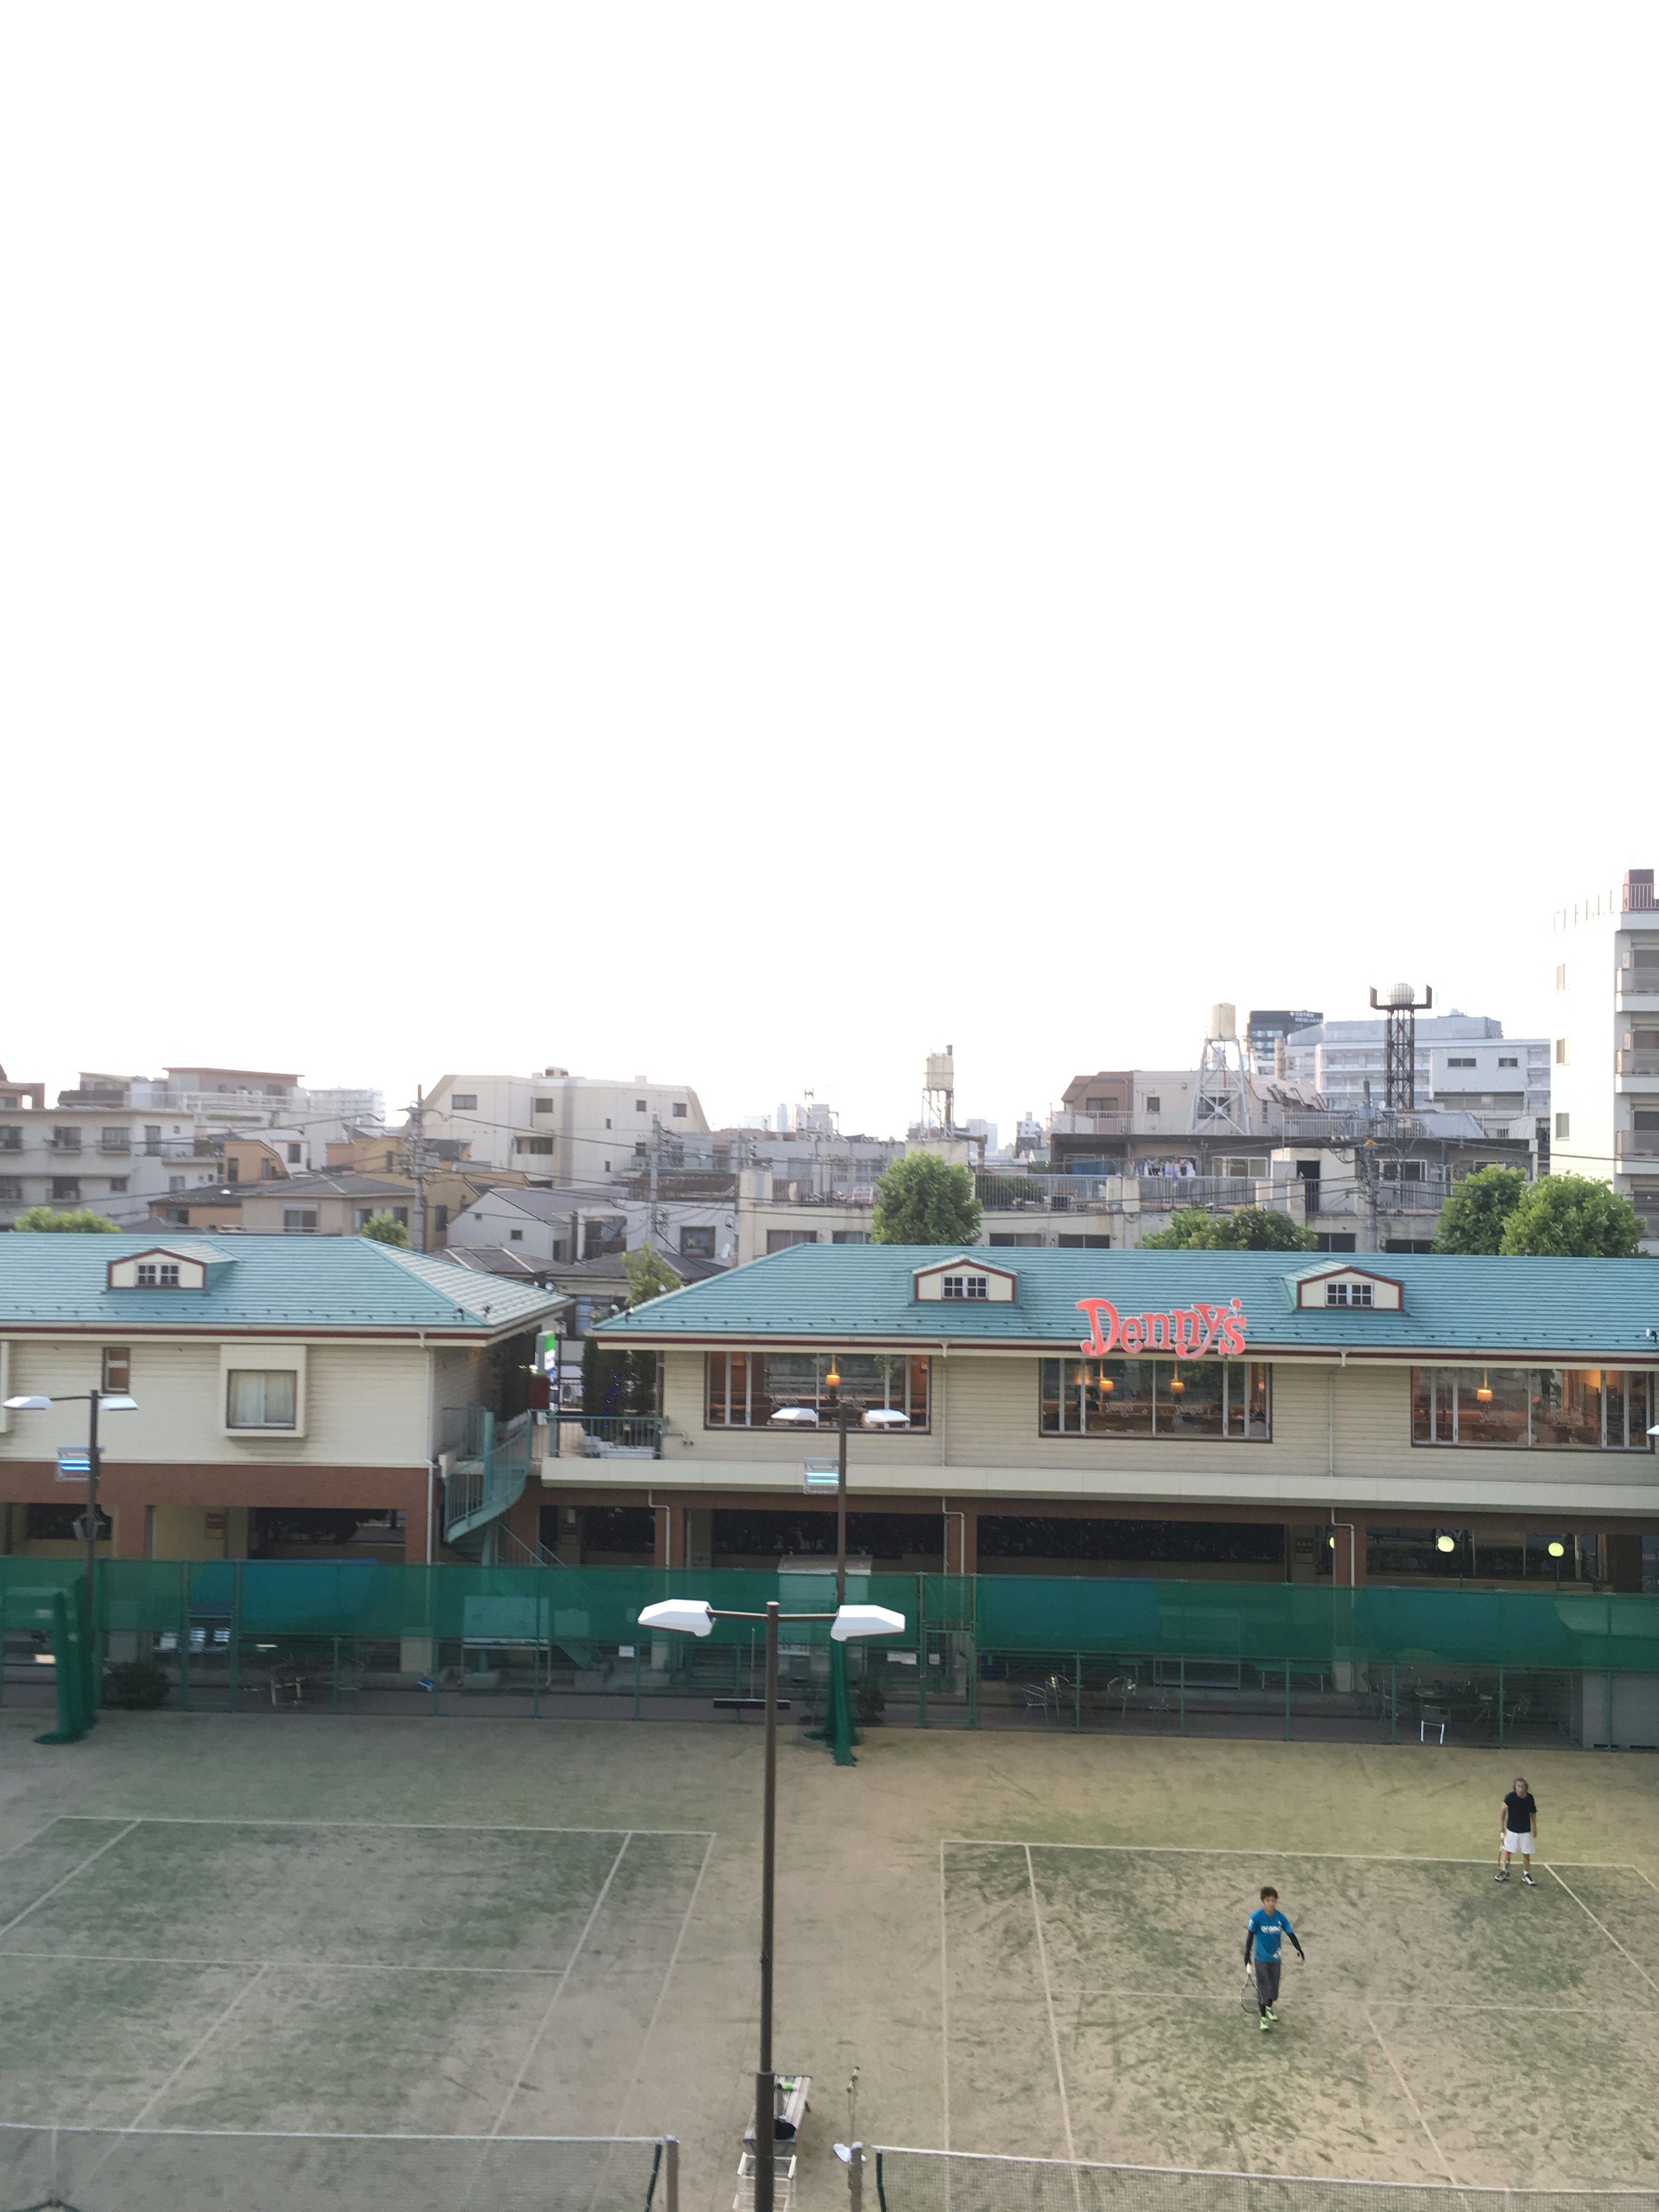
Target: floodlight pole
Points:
(766, 2089)
(840, 1501)
(93, 1397)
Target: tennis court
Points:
(1444, 2029)
(335, 1977)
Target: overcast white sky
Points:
(747, 542)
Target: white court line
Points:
(1606, 1930)
(196, 2050)
(276, 1965)
(459, 1827)
(107, 1846)
(1048, 1999)
(944, 2002)
(11, 1848)
(1203, 1851)
(1406, 2091)
(587, 1930)
(1333, 1997)
(668, 1975)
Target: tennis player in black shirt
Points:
(1518, 1831)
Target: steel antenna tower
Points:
(1399, 1012)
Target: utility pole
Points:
(651, 1230)
(415, 1153)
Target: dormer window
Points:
(967, 1286)
(1348, 1294)
(158, 1275)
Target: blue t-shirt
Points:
(1267, 1928)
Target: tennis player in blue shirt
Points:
(1262, 1940)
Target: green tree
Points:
(1568, 1217)
(86, 1223)
(923, 1200)
(1252, 1228)
(649, 1276)
(384, 1229)
(1474, 1216)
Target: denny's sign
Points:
(1189, 1331)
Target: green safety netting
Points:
(1303, 1623)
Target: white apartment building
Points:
(1605, 1071)
(553, 1228)
(1465, 1064)
(563, 1128)
(112, 1159)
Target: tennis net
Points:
(50, 2169)
(959, 2181)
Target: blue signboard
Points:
(74, 1462)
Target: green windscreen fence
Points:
(1276, 1622)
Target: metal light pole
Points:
(696, 1617)
(112, 1402)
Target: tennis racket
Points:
(1247, 1995)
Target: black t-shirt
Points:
(1519, 1812)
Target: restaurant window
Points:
(1533, 1409)
(1199, 1398)
(745, 1388)
(118, 1369)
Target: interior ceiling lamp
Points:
(832, 1380)
(1175, 1383)
(1484, 1394)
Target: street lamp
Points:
(871, 1416)
(112, 1402)
(683, 1616)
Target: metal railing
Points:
(606, 1436)
(489, 1468)
(1091, 1125)
(108, 1143)
(1637, 1061)
(1635, 1144)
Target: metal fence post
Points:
(184, 1635)
(1182, 1664)
(973, 1681)
(670, 2173)
(922, 1679)
(856, 2176)
(1076, 1694)
(334, 1680)
(1287, 1701)
(1393, 1701)
(235, 1636)
(1500, 1709)
(638, 1663)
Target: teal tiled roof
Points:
(847, 1294)
(295, 1283)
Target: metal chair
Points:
(1432, 1716)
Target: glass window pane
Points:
(1612, 1408)
(1189, 1394)
(1257, 1419)
(1119, 1396)
(1493, 1406)
(280, 1399)
(247, 1399)
(717, 1389)
(1052, 1405)
(1568, 1407)
(1422, 1405)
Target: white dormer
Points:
(166, 1268)
(965, 1280)
(1344, 1289)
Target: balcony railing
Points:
(1635, 1144)
(1091, 1125)
(606, 1436)
(1637, 1061)
(115, 1141)
(65, 1140)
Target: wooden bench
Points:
(742, 1706)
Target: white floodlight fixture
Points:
(1445, 1543)
(118, 1405)
(1654, 1431)
(687, 1616)
(886, 1417)
(1558, 1550)
(852, 1621)
(28, 1405)
(796, 1417)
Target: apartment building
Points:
(553, 1228)
(563, 1128)
(1234, 1415)
(1605, 1052)
(93, 1151)
(292, 1393)
(1465, 1064)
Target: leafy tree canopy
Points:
(1252, 1228)
(649, 1276)
(1568, 1217)
(85, 1223)
(1474, 1216)
(923, 1200)
(384, 1229)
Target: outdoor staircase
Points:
(485, 1474)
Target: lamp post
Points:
(838, 1729)
(696, 1617)
(112, 1402)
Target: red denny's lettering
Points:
(1190, 1332)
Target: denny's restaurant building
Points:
(1240, 1416)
